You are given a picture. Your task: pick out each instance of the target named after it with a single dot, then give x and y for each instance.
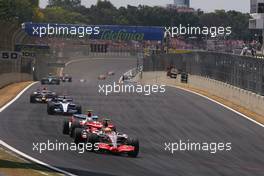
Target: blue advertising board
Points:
(101, 32)
(30, 47)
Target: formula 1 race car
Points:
(108, 141)
(42, 96)
(102, 77)
(66, 78)
(184, 77)
(88, 121)
(111, 73)
(52, 80)
(172, 73)
(63, 105)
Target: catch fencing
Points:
(240, 71)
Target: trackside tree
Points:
(257, 20)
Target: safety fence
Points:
(218, 90)
(240, 71)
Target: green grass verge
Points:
(13, 165)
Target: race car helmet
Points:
(107, 130)
(89, 113)
(64, 100)
(105, 122)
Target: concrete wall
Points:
(234, 94)
(9, 78)
(241, 97)
(240, 71)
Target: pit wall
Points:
(238, 96)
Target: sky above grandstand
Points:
(206, 5)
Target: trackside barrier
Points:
(234, 94)
(241, 71)
(12, 69)
(244, 98)
(8, 78)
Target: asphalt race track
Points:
(154, 119)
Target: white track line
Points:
(76, 60)
(34, 160)
(87, 59)
(18, 95)
(21, 153)
(69, 62)
(227, 107)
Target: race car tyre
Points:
(73, 126)
(93, 139)
(135, 143)
(70, 79)
(114, 128)
(78, 136)
(50, 110)
(66, 128)
(79, 109)
(58, 82)
(32, 99)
